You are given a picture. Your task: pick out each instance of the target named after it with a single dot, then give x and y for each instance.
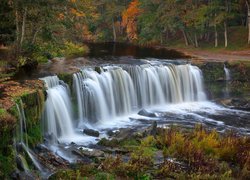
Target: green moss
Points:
(72, 50)
(98, 69)
(104, 176)
(34, 135)
(33, 107)
(2, 112)
(127, 143)
(213, 71)
(67, 78)
(7, 158)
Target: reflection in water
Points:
(104, 53)
(102, 50)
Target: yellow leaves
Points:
(77, 13)
(60, 16)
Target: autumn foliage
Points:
(129, 20)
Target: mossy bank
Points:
(31, 95)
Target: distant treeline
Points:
(24, 24)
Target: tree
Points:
(248, 19)
(150, 28)
(129, 20)
(7, 25)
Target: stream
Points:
(123, 86)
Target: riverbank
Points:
(31, 96)
(156, 153)
(216, 55)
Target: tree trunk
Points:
(215, 36)
(17, 47)
(225, 33)
(196, 40)
(208, 37)
(23, 26)
(35, 35)
(114, 31)
(17, 27)
(248, 20)
(185, 37)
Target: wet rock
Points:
(29, 66)
(92, 154)
(239, 102)
(91, 132)
(115, 150)
(153, 130)
(236, 103)
(41, 148)
(144, 112)
(124, 133)
(22, 175)
(110, 133)
(98, 69)
(20, 163)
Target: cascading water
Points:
(57, 116)
(24, 139)
(228, 78)
(118, 90)
(227, 73)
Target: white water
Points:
(24, 139)
(227, 73)
(228, 78)
(57, 116)
(120, 90)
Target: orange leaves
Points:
(60, 16)
(129, 18)
(76, 13)
(12, 89)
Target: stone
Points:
(91, 132)
(110, 133)
(153, 130)
(124, 133)
(144, 112)
(91, 154)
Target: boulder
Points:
(91, 154)
(124, 133)
(110, 133)
(91, 132)
(144, 112)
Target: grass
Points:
(3, 112)
(200, 153)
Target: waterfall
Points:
(227, 73)
(228, 78)
(119, 90)
(24, 139)
(57, 114)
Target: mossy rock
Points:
(67, 78)
(7, 130)
(213, 71)
(98, 69)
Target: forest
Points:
(124, 89)
(43, 29)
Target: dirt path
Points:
(221, 55)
